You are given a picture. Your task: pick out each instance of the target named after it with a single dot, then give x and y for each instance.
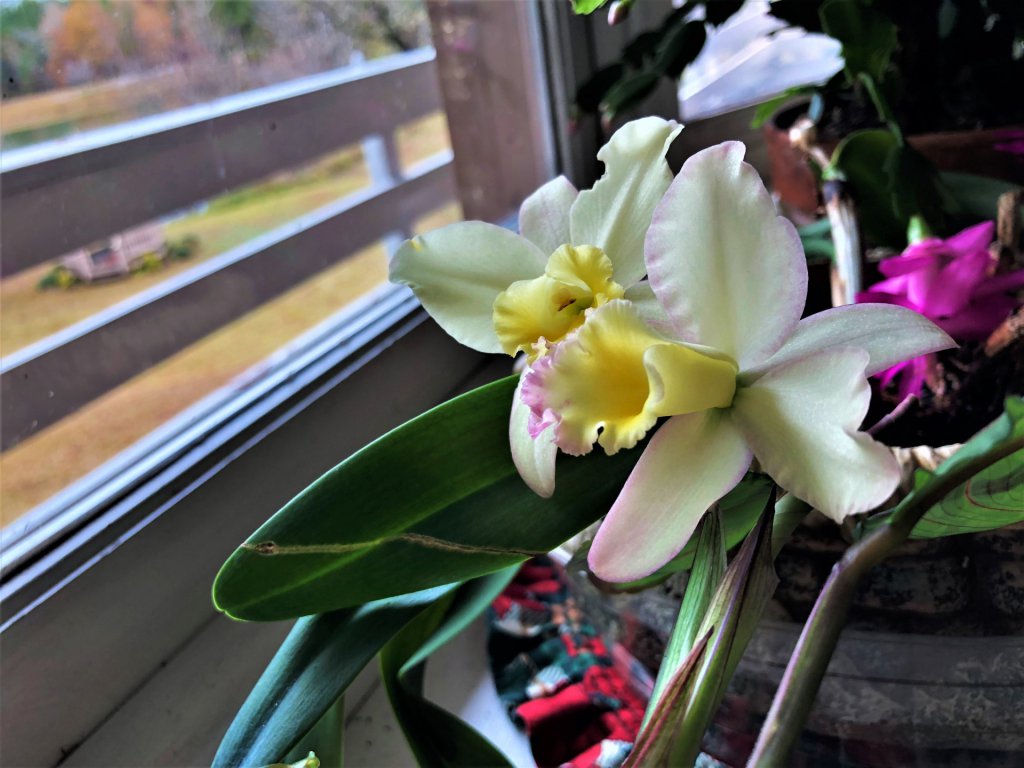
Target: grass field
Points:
(46, 463)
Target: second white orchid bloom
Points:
(496, 291)
(739, 373)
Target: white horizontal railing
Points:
(63, 194)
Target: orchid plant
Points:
(728, 360)
(660, 319)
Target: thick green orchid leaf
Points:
(316, 663)
(867, 36)
(437, 737)
(860, 159)
(709, 565)
(435, 501)
(991, 499)
(586, 7)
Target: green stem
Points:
(806, 669)
(882, 106)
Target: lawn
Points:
(41, 466)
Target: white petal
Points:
(729, 272)
(544, 215)
(642, 297)
(458, 271)
(690, 463)
(615, 214)
(888, 333)
(533, 457)
(802, 418)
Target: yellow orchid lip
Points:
(614, 378)
(531, 314)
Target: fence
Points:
(62, 195)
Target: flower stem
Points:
(806, 669)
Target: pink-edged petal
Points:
(544, 215)
(458, 271)
(802, 421)
(728, 270)
(690, 463)
(888, 333)
(534, 457)
(615, 214)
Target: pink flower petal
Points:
(690, 463)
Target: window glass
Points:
(70, 67)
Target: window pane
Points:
(262, 43)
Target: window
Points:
(232, 368)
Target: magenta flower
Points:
(952, 283)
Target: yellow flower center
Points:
(532, 314)
(612, 381)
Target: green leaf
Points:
(797, 13)
(629, 92)
(916, 187)
(867, 36)
(590, 95)
(860, 159)
(325, 741)
(641, 48)
(717, 12)
(816, 239)
(679, 47)
(586, 7)
(708, 569)
(316, 663)
(437, 737)
(435, 501)
(992, 498)
(654, 743)
(729, 622)
(977, 197)
(309, 761)
(767, 109)
(718, 619)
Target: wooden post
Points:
(490, 66)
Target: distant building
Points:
(119, 255)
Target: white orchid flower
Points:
(739, 373)
(496, 291)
